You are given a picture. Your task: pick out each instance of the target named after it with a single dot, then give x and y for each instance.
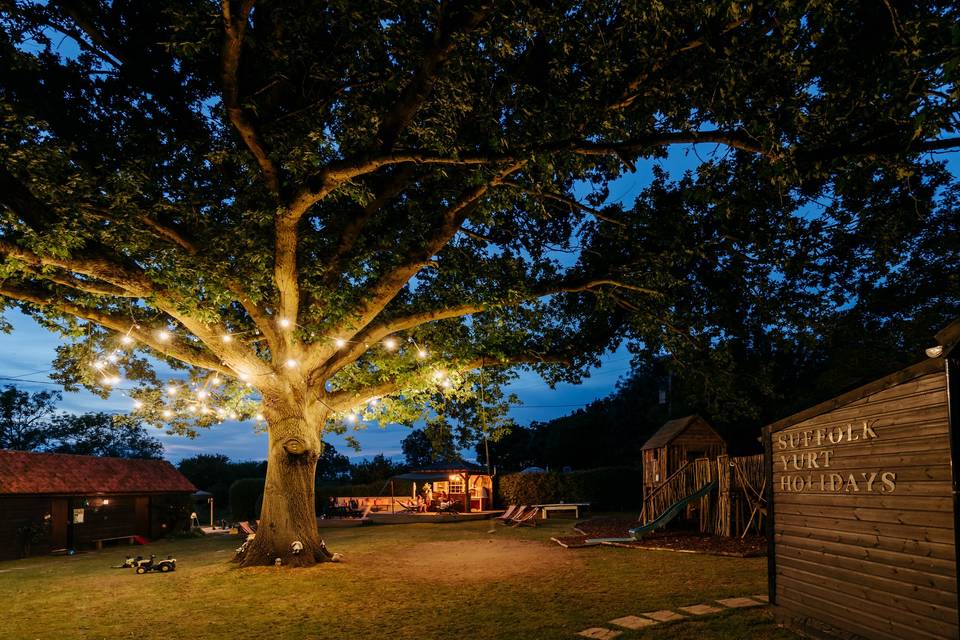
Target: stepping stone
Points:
(739, 603)
(761, 598)
(700, 609)
(599, 633)
(633, 622)
(664, 615)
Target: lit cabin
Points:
(674, 444)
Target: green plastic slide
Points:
(663, 519)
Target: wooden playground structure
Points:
(688, 474)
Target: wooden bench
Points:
(545, 509)
(100, 542)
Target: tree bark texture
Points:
(288, 514)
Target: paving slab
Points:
(599, 633)
(761, 598)
(633, 622)
(739, 603)
(700, 609)
(665, 615)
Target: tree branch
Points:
(570, 202)
(346, 400)
(120, 324)
(416, 91)
(377, 332)
(234, 27)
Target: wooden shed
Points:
(51, 501)
(465, 484)
(862, 507)
(674, 444)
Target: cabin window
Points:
(456, 485)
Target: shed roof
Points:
(673, 428)
(445, 467)
(25, 473)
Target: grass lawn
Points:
(419, 581)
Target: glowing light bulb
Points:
(340, 342)
(171, 390)
(100, 364)
(244, 376)
(167, 413)
(202, 394)
(110, 381)
(112, 358)
(215, 380)
(284, 323)
(204, 409)
(221, 413)
(192, 409)
(447, 384)
(226, 337)
(137, 404)
(351, 417)
(127, 340)
(291, 363)
(437, 374)
(259, 417)
(233, 415)
(374, 401)
(390, 344)
(163, 335)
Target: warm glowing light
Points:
(137, 404)
(202, 394)
(351, 417)
(437, 374)
(110, 381)
(221, 413)
(447, 384)
(204, 409)
(127, 340)
(284, 323)
(233, 415)
(259, 417)
(340, 342)
(192, 409)
(163, 335)
(172, 390)
(106, 501)
(167, 413)
(374, 401)
(291, 363)
(227, 337)
(390, 344)
(112, 358)
(421, 353)
(215, 380)
(244, 376)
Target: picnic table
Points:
(545, 509)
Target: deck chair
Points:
(517, 513)
(408, 508)
(528, 519)
(507, 514)
(366, 512)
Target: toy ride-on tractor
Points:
(163, 566)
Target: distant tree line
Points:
(31, 422)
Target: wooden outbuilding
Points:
(51, 501)
(676, 443)
(862, 507)
(463, 483)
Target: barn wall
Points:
(16, 512)
(863, 520)
(118, 518)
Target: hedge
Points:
(246, 497)
(606, 488)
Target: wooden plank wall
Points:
(864, 555)
(16, 512)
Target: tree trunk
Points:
(288, 515)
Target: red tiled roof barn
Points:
(51, 501)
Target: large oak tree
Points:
(335, 208)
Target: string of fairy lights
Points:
(206, 399)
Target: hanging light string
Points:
(106, 366)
